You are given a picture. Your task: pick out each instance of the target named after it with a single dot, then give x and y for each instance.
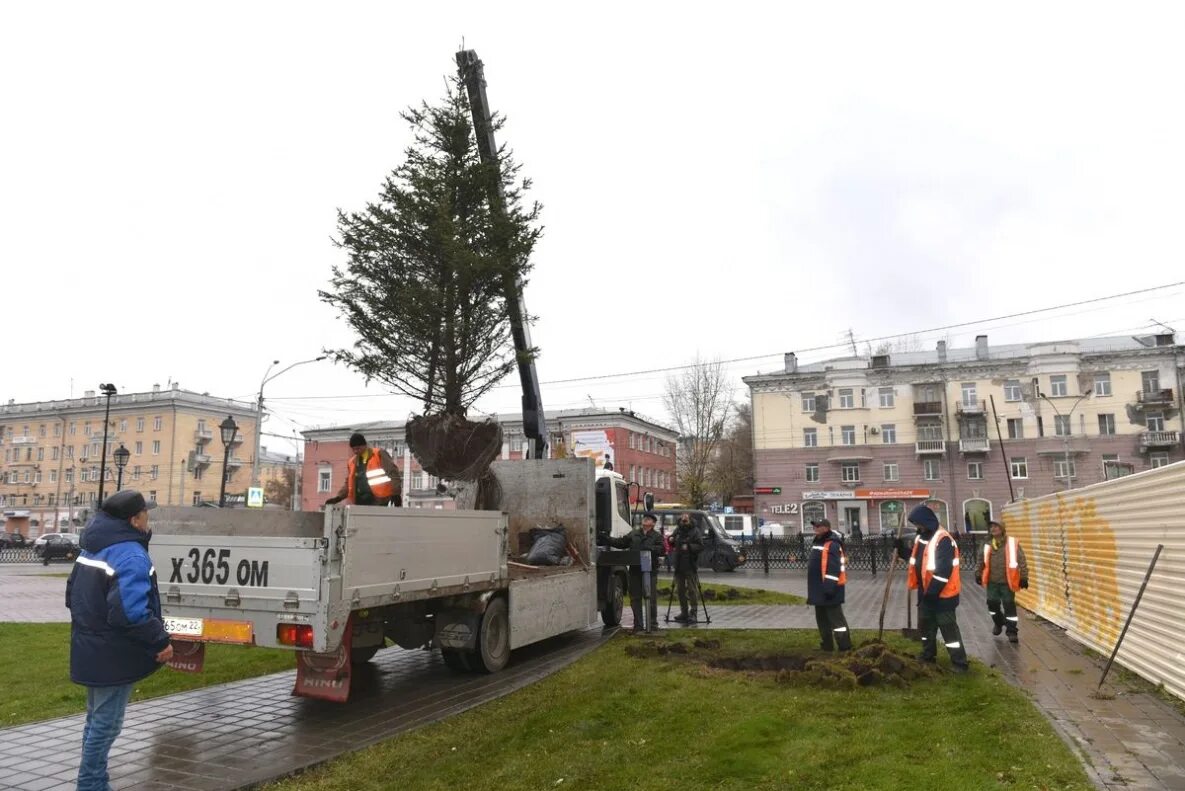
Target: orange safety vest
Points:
(929, 558)
(381, 485)
(842, 579)
(1011, 566)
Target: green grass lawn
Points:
(36, 683)
(722, 595)
(612, 721)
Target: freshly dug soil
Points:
(872, 664)
(453, 448)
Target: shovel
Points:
(880, 631)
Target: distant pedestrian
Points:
(1003, 573)
(372, 478)
(687, 544)
(643, 586)
(934, 571)
(117, 636)
(826, 578)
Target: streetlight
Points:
(121, 455)
(107, 390)
(228, 428)
(1069, 430)
(259, 409)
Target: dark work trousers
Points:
(635, 579)
(1002, 605)
(931, 621)
(687, 589)
(833, 628)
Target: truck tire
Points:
(614, 601)
(456, 661)
(362, 655)
(493, 642)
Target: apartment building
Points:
(640, 449)
(52, 452)
(862, 440)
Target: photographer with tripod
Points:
(687, 544)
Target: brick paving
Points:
(27, 595)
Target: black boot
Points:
(997, 629)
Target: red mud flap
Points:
(189, 656)
(325, 676)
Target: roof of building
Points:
(508, 420)
(270, 457)
(124, 401)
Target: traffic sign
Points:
(255, 497)
(767, 490)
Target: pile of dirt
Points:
(872, 664)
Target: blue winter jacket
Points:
(116, 629)
(823, 587)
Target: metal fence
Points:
(872, 554)
(18, 555)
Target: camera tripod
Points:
(699, 591)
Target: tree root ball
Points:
(453, 448)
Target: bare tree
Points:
(279, 490)
(732, 469)
(699, 401)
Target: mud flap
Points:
(325, 676)
(189, 656)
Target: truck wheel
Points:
(493, 643)
(614, 601)
(456, 661)
(362, 655)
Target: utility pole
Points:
(1066, 438)
(259, 409)
(107, 390)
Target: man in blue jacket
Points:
(117, 636)
(826, 578)
(934, 573)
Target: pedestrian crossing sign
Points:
(255, 497)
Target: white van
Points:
(739, 526)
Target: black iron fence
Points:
(19, 555)
(872, 554)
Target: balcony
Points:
(975, 445)
(927, 409)
(201, 459)
(1161, 397)
(927, 447)
(203, 435)
(24, 440)
(1158, 439)
(234, 461)
(973, 407)
(238, 440)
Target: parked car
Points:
(13, 541)
(45, 538)
(59, 545)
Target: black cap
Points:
(126, 504)
(824, 522)
(357, 440)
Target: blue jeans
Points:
(104, 719)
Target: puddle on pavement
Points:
(872, 664)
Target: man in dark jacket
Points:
(687, 544)
(648, 543)
(117, 636)
(934, 572)
(826, 578)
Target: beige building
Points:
(52, 453)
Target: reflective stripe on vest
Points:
(381, 485)
(952, 586)
(1011, 563)
(842, 579)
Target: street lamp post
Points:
(121, 455)
(228, 429)
(259, 409)
(107, 390)
(1069, 430)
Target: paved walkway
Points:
(28, 596)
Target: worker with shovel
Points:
(934, 572)
(826, 577)
(1003, 570)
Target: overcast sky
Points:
(717, 180)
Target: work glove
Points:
(1024, 584)
(333, 500)
(979, 580)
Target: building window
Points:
(197, 498)
(73, 428)
(1106, 425)
(888, 398)
(812, 473)
(890, 471)
(1063, 468)
(324, 481)
(932, 469)
(632, 440)
(123, 426)
(139, 447)
(53, 476)
(1061, 425)
(153, 471)
(1150, 380)
(1019, 467)
(41, 430)
(975, 471)
(139, 424)
(969, 397)
(86, 428)
(157, 422)
(156, 447)
(152, 496)
(930, 432)
(1102, 383)
(848, 434)
(1016, 428)
(197, 473)
(810, 438)
(41, 454)
(57, 429)
(1158, 460)
(70, 475)
(1155, 421)
(808, 402)
(136, 472)
(53, 453)
(1057, 385)
(846, 399)
(850, 471)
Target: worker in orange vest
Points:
(934, 572)
(1003, 570)
(826, 578)
(371, 477)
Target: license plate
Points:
(185, 626)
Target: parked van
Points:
(739, 526)
(721, 552)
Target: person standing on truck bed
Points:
(643, 539)
(117, 635)
(372, 478)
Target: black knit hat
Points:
(357, 440)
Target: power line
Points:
(754, 358)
